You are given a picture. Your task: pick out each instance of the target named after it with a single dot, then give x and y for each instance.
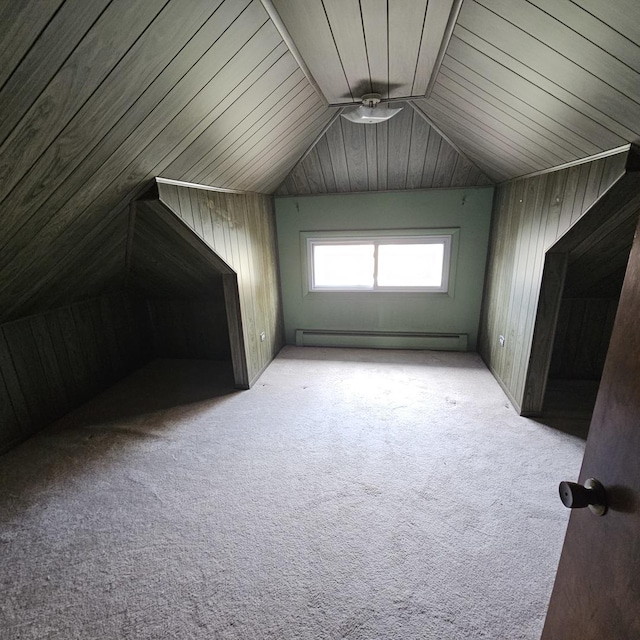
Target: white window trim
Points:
(447, 237)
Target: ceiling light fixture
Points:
(369, 112)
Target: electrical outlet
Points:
(501, 340)
(263, 336)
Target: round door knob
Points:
(592, 495)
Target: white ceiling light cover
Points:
(369, 112)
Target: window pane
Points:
(410, 265)
(343, 265)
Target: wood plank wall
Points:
(240, 228)
(54, 361)
(529, 215)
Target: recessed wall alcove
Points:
(179, 273)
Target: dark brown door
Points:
(597, 590)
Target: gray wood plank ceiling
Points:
(523, 85)
(99, 97)
(354, 47)
(402, 153)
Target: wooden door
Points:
(597, 590)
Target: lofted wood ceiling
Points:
(402, 153)
(522, 85)
(97, 98)
(530, 84)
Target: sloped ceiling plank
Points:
(307, 23)
(273, 147)
(273, 167)
(494, 130)
(338, 155)
(59, 173)
(250, 107)
(399, 144)
(106, 42)
(436, 22)
(239, 141)
(622, 15)
(537, 82)
(563, 44)
(324, 156)
(608, 103)
(460, 174)
(538, 148)
(419, 141)
(382, 147)
(315, 175)
(516, 108)
(87, 261)
(42, 61)
(354, 145)
(474, 151)
(299, 179)
(571, 113)
(374, 22)
(459, 91)
(497, 155)
(252, 61)
(96, 271)
(371, 143)
(405, 152)
(406, 26)
(590, 20)
(347, 30)
(22, 24)
(446, 166)
(431, 158)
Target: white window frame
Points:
(445, 237)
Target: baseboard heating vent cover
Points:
(381, 339)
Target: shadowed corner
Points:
(162, 384)
(113, 423)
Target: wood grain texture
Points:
(308, 25)
(529, 217)
(240, 229)
(548, 80)
(353, 48)
(403, 153)
(118, 93)
(48, 52)
(52, 362)
(22, 23)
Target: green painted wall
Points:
(459, 311)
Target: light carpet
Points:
(352, 494)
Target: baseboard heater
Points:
(381, 339)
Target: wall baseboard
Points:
(381, 339)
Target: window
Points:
(378, 263)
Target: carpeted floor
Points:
(369, 495)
